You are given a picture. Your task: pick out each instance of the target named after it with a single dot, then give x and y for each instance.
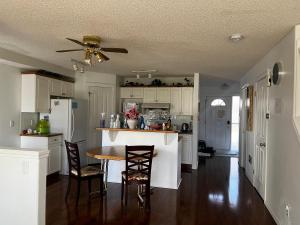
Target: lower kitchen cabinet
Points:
(187, 148)
(53, 144)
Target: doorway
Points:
(101, 99)
(218, 123)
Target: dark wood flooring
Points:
(218, 193)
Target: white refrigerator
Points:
(69, 117)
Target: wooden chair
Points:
(138, 170)
(81, 173)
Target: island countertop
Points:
(136, 130)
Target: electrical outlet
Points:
(11, 123)
(287, 211)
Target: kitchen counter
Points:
(166, 167)
(136, 130)
(41, 135)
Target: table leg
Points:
(104, 168)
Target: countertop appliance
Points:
(185, 127)
(69, 117)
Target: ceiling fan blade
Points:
(77, 42)
(117, 50)
(104, 56)
(70, 50)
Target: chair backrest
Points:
(73, 157)
(139, 159)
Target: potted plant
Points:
(132, 118)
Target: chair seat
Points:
(135, 176)
(88, 171)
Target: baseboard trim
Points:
(277, 221)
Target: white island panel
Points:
(166, 172)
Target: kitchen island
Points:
(166, 165)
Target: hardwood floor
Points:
(217, 194)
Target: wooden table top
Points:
(109, 152)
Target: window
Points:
(218, 102)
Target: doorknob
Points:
(262, 144)
(228, 122)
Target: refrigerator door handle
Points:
(73, 125)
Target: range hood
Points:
(155, 106)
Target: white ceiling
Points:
(172, 36)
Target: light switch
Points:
(11, 123)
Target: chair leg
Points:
(68, 189)
(126, 193)
(101, 185)
(78, 190)
(122, 190)
(148, 194)
(90, 185)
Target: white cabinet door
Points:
(186, 157)
(137, 92)
(67, 89)
(187, 101)
(163, 95)
(150, 95)
(175, 101)
(54, 160)
(42, 94)
(56, 87)
(125, 92)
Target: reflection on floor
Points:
(217, 193)
(233, 153)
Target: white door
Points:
(218, 122)
(261, 133)
(100, 100)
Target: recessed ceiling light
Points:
(236, 37)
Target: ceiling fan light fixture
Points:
(99, 57)
(75, 67)
(88, 57)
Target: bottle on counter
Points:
(142, 123)
(102, 120)
(169, 124)
(117, 123)
(112, 121)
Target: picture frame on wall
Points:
(250, 102)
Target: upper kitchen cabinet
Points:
(126, 92)
(182, 101)
(187, 101)
(175, 107)
(157, 95)
(35, 93)
(149, 95)
(163, 95)
(67, 89)
(62, 88)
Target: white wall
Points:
(10, 105)
(283, 147)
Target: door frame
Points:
(205, 114)
(264, 75)
(242, 130)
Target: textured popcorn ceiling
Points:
(172, 36)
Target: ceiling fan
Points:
(91, 45)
